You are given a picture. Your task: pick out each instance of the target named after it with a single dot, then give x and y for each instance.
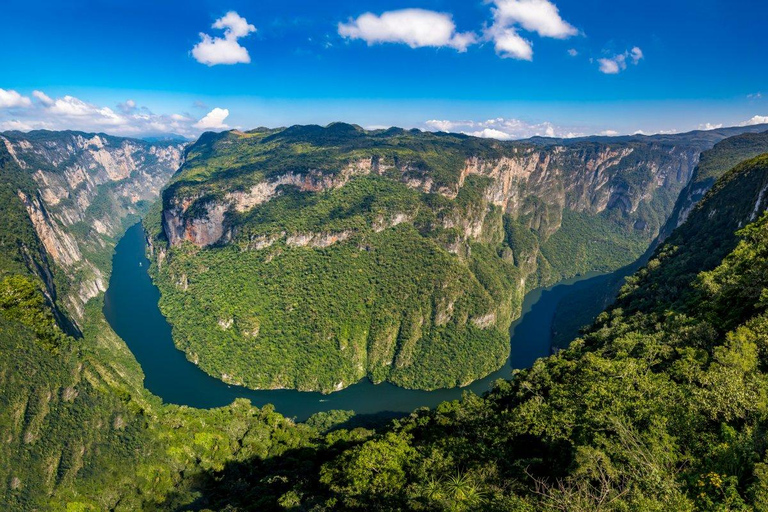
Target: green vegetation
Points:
(661, 405)
(580, 309)
(380, 254)
(727, 154)
(587, 243)
(80, 433)
(392, 304)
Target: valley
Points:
(163, 454)
(312, 257)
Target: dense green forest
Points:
(660, 405)
(580, 309)
(311, 257)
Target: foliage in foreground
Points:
(661, 405)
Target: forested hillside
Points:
(80, 431)
(310, 257)
(661, 405)
(713, 164)
(579, 310)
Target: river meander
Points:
(131, 309)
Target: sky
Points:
(495, 68)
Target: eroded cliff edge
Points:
(310, 257)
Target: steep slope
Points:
(580, 309)
(311, 257)
(80, 190)
(79, 430)
(714, 163)
(737, 199)
(662, 405)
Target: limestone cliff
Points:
(398, 255)
(79, 190)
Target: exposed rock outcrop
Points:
(85, 187)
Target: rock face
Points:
(536, 182)
(379, 253)
(714, 164)
(80, 190)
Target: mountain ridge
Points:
(509, 216)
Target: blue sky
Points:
(505, 68)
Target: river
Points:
(130, 306)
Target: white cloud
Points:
(127, 106)
(612, 66)
(502, 128)
(72, 113)
(15, 124)
(12, 99)
(420, 28)
(224, 50)
(755, 96)
(234, 25)
(755, 121)
(42, 97)
(618, 63)
(417, 28)
(710, 126)
(213, 120)
(609, 133)
(510, 45)
(573, 52)
(540, 16)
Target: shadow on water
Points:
(131, 308)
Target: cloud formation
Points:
(502, 129)
(539, 16)
(12, 99)
(213, 120)
(417, 28)
(224, 50)
(72, 113)
(755, 121)
(618, 63)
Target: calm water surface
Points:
(131, 308)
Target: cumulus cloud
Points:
(510, 45)
(502, 129)
(511, 16)
(618, 63)
(12, 99)
(755, 121)
(127, 106)
(42, 97)
(224, 50)
(417, 28)
(129, 119)
(613, 65)
(710, 126)
(573, 52)
(540, 16)
(420, 28)
(213, 120)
